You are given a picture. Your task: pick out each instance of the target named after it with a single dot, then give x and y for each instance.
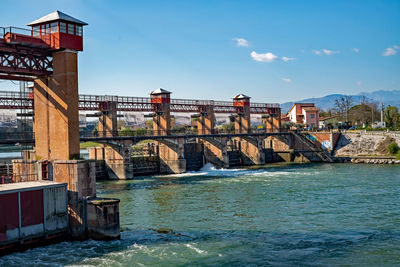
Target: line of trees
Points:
(364, 114)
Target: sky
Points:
(273, 51)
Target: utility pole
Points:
(382, 113)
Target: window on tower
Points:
(79, 30)
(71, 29)
(36, 31)
(63, 27)
(54, 27)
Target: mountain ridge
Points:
(388, 97)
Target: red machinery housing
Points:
(59, 31)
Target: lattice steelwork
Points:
(24, 61)
(14, 100)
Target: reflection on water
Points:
(281, 215)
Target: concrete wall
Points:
(81, 179)
(364, 143)
(103, 219)
(24, 171)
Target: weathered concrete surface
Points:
(24, 171)
(56, 123)
(118, 164)
(369, 143)
(272, 122)
(108, 119)
(215, 151)
(251, 150)
(206, 121)
(81, 179)
(172, 159)
(103, 218)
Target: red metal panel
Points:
(8, 214)
(70, 41)
(31, 207)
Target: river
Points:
(282, 215)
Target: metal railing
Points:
(183, 132)
(13, 33)
(130, 103)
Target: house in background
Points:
(328, 122)
(304, 113)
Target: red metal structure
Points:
(26, 54)
(59, 31)
(240, 102)
(16, 100)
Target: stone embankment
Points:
(366, 147)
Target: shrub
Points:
(393, 148)
(398, 155)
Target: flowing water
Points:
(281, 215)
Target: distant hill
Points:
(387, 97)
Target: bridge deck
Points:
(138, 138)
(16, 100)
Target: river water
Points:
(282, 215)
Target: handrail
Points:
(130, 103)
(47, 37)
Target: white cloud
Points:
(286, 59)
(325, 51)
(390, 51)
(286, 80)
(358, 83)
(267, 57)
(241, 42)
(356, 50)
(329, 52)
(317, 52)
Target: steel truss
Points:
(15, 100)
(22, 60)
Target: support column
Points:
(206, 120)
(172, 158)
(160, 100)
(216, 151)
(272, 120)
(242, 109)
(251, 149)
(108, 119)
(117, 160)
(56, 98)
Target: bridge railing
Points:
(16, 135)
(183, 132)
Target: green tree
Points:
(392, 117)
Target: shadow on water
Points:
(233, 248)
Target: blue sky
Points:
(291, 49)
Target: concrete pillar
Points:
(206, 121)
(242, 109)
(172, 158)
(56, 98)
(160, 100)
(251, 149)
(117, 159)
(103, 219)
(215, 151)
(272, 123)
(108, 119)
